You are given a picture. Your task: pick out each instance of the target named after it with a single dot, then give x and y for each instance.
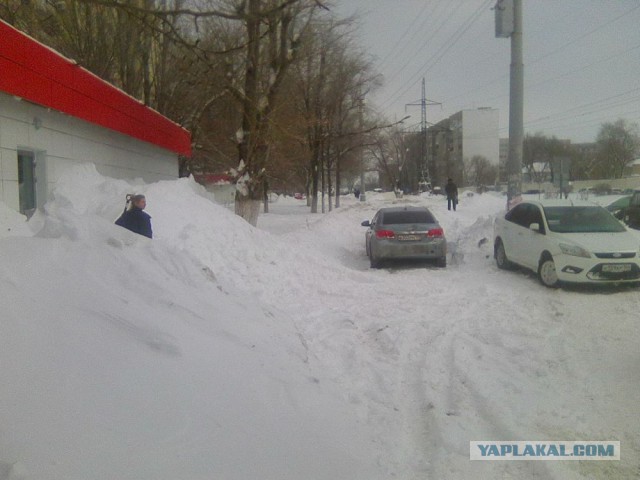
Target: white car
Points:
(567, 241)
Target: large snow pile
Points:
(125, 358)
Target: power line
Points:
(451, 41)
(493, 80)
(427, 40)
(449, 44)
(579, 107)
(404, 34)
(549, 79)
(587, 34)
(584, 67)
(565, 74)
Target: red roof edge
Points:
(41, 75)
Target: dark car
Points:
(618, 208)
(405, 233)
(632, 213)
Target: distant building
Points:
(633, 168)
(475, 133)
(55, 114)
(462, 136)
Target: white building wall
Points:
(480, 134)
(59, 141)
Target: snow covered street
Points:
(221, 351)
(468, 353)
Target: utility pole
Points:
(424, 168)
(508, 14)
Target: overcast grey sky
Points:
(581, 60)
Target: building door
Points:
(27, 182)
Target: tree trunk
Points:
(338, 181)
(314, 183)
(247, 208)
(247, 203)
(266, 196)
(324, 182)
(328, 162)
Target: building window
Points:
(27, 182)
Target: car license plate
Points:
(616, 267)
(405, 238)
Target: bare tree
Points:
(618, 144)
(328, 78)
(390, 150)
(480, 172)
(272, 30)
(542, 157)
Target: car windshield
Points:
(407, 216)
(581, 220)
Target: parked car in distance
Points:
(632, 214)
(618, 208)
(567, 241)
(408, 232)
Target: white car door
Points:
(513, 232)
(533, 242)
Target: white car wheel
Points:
(501, 257)
(547, 273)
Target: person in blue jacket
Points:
(133, 218)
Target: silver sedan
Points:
(405, 233)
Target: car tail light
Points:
(435, 233)
(385, 234)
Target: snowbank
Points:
(132, 359)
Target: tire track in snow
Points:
(435, 358)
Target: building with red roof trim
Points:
(54, 113)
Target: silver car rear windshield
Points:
(395, 218)
(581, 220)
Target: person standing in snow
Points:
(451, 189)
(133, 218)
